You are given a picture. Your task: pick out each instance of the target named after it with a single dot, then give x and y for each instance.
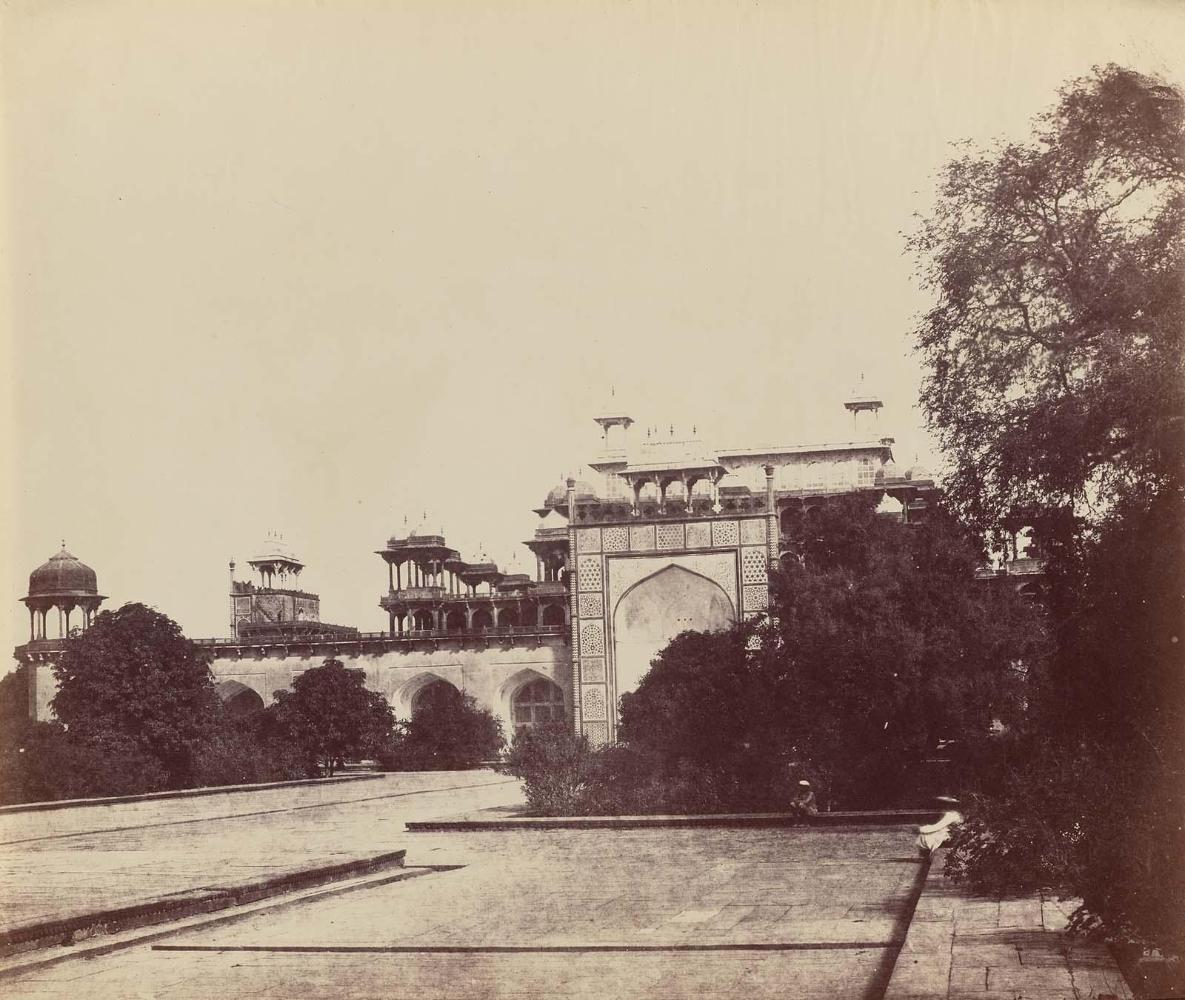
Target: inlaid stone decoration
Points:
(754, 565)
(616, 538)
(670, 536)
(597, 733)
(699, 535)
(753, 531)
(641, 537)
(591, 606)
(593, 705)
(719, 567)
(757, 598)
(588, 572)
(588, 539)
(592, 669)
(724, 533)
(592, 638)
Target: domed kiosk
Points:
(66, 583)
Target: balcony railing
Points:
(416, 635)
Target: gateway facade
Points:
(663, 536)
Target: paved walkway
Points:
(961, 947)
(63, 863)
(707, 913)
(672, 913)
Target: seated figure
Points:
(931, 836)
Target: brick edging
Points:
(69, 930)
(180, 793)
(832, 819)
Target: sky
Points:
(318, 268)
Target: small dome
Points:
(63, 574)
(558, 497)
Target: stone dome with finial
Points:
(63, 575)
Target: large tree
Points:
(1056, 384)
(132, 677)
(331, 716)
(1054, 347)
(880, 641)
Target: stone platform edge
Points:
(180, 793)
(483, 822)
(71, 930)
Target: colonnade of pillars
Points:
(470, 619)
(432, 574)
(687, 484)
(39, 620)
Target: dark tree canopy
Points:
(448, 731)
(1054, 347)
(1056, 384)
(881, 641)
(330, 715)
(133, 676)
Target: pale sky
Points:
(314, 267)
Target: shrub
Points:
(48, 763)
(555, 765)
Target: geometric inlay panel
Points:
(617, 538)
(753, 531)
(588, 539)
(754, 565)
(588, 572)
(641, 537)
(597, 733)
(724, 533)
(592, 703)
(719, 567)
(670, 536)
(757, 598)
(698, 535)
(592, 669)
(592, 638)
(591, 605)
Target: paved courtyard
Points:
(613, 913)
(64, 862)
(638, 913)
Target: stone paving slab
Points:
(961, 947)
(57, 877)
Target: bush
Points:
(46, 762)
(555, 765)
(448, 732)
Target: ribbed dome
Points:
(63, 574)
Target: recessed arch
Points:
(528, 687)
(654, 610)
(239, 699)
(405, 696)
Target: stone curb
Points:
(72, 929)
(180, 793)
(831, 819)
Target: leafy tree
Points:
(330, 716)
(447, 732)
(880, 641)
(1054, 348)
(1056, 386)
(133, 678)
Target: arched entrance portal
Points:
(657, 609)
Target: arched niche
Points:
(655, 610)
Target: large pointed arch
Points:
(657, 608)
